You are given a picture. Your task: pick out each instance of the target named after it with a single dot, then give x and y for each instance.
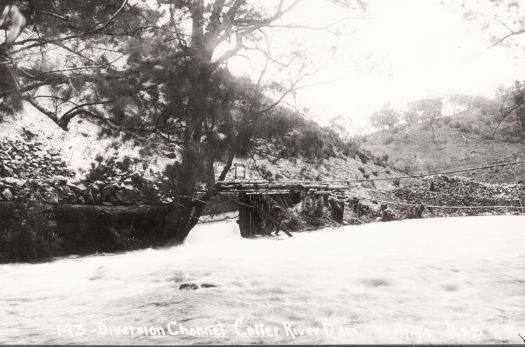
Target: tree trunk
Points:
(197, 164)
(521, 121)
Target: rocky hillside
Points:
(24, 158)
(33, 171)
(39, 162)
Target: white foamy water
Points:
(455, 280)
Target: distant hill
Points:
(463, 140)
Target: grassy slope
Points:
(412, 149)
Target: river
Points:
(450, 280)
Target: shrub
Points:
(363, 158)
(388, 140)
(265, 173)
(446, 119)
(110, 168)
(465, 128)
(362, 169)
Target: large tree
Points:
(504, 22)
(429, 110)
(386, 118)
(512, 108)
(156, 71)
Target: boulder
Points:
(6, 170)
(188, 286)
(50, 196)
(89, 196)
(13, 182)
(60, 181)
(109, 190)
(128, 194)
(66, 194)
(208, 285)
(53, 152)
(4, 155)
(7, 194)
(77, 187)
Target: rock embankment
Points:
(30, 160)
(461, 192)
(34, 172)
(59, 190)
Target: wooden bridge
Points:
(263, 205)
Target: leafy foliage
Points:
(386, 118)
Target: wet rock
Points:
(109, 190)
(208, 285)
(88, 196)
(50, 196)
(66, 194)
(170, 155)
(25, 194)
(128, 194)
(188, 286)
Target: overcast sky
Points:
(398, 51)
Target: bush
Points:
(110, 168)
(456, 124)
(388, 140)
(363, 158)
(465, 128)
(265, 173)
(362, 169)
(408, 168)
(446, 119)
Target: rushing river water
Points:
(435, 281)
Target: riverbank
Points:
(47, 209)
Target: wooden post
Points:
(245, 218)
(338, 210)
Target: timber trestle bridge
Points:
(263, 204)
